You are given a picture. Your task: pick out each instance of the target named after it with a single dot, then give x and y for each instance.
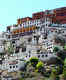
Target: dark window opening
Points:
(9, 36)
(38, 50)
(46, 55)
(13, 41)
(29, 51)
(29, 55)
(17, 50)
(42, 55)
(38, 56)
(24, 49)
(41, 52)
(13, 66)
(16, 66)
(10, 66)
(26, 56)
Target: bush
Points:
(64, 69)
(65, 47)
(34, 61)
(21, 79)
(57, 77)
(53, 74)
(39, 65)
(61, 54)
(56, 49)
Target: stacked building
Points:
(44, 19)
(31, 36)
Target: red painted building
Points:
(60, 15)
(38, 15)
(21, 20)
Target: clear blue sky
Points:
(11, 10)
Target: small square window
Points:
(16, 66)
(26, 56)
(13, 66)
(29, 55)
(42, 55)
(29, 51)
(46, 55)
(38, 56)
(10, 66)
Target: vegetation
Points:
(56, 49)
(34, 61)
(10, 49)
(39, 65)
(64, 69)
(65, 47)
(61, 54)
(21, 79)
(60, 39)
(40, 71)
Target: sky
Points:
(11, 10)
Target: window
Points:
(10, 66)
(13, 41)
(28, 23)
(26, 56)
(13, 46)
(29, 55)
(63, 31)
(24, 49)
(20, 24)
(46, 55)
(41, 52)
(16, 66)
(29, 51)
(38, 50)
(46, 24)
(37, 24)
(1, 46)
(37, 21)
(42, 55)
(38, 56)
(8, 36)
(29, 39)
(17, 50)
(13, 66)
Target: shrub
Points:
(39, 65)
(64, 69)
(21, 79)
(61, 54)
(56, 49)
(65, 47)
(34, 61)
(53, 74)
